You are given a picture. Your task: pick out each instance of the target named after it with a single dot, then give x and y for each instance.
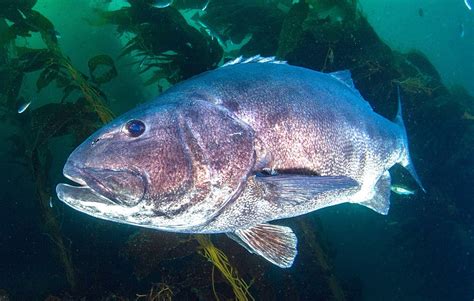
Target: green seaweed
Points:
(55, 119)
(97, 62)
(292, 29)
(235, 20)
(163, 42)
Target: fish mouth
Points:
(105, 186)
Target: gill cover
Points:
(221, 152)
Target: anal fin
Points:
(380, 203)
(276, 244)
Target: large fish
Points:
(231, 149)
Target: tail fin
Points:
(405, 161)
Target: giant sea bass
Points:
(232, 149)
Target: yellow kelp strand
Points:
(90, 94)
(221, 262)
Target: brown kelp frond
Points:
(38, 126)
(91, 93)
(310, 235)
(40, 165)
(418, 76)
(416, 85)
(54, 65)
(221, 262)
(258, 22)
(163, 42)
(292, 28)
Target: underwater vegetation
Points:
(164, 42)
(173, 43)
(55, 119)
(221, 262)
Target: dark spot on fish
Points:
(348, 151)
(157, 213)
(95, 140)
(244, 87)
(362, 159)
(232, 105)
(192, 115)
(201, 95)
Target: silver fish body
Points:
(197, 159)
(402, 190)
(162, 3)
(23, 107)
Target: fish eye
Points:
(134, 128)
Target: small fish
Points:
(331, 56)
(205, 5)
(22, 14)
(50, 202)
(421, 13)
(142, 62)
(57, 34)
(162, 3)
(468, 4)
(467, 116)
(461, 30)
(23, 107)
(401, 190)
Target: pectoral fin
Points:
(302, 188)
(276, 244)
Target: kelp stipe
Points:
(310, 231)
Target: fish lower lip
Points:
(72, 195)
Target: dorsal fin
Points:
(254, 59)
(345, 77)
